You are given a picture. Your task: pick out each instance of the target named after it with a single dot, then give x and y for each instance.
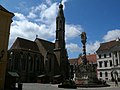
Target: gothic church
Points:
(41, 60)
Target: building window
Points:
(106, 74)
(110, 63)
(99, 56)
(109, 54)
(116, 62)
(104, 55)
(17, 62)
(111, 74)
(105, 63)
(106, 78)
(30, 61)
(115, 54)
(37, 63)
(100, 64)
(11, 61)
(23, 60)
(100, 74)
(50, 62)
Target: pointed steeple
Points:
(60, 50)
(60, 12)
(60, 28)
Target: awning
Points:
(13, 74)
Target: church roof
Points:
(109, 46)
(5, 10)
(25, 44)
(48, 46)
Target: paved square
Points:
(37, 86)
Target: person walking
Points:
(116, 82)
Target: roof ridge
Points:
(19, 38)
(3, 9)
(45, 40)
(108, 42)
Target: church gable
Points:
(45, 46)
(21, 43)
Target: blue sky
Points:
(100, 19)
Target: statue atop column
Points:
(83, 40)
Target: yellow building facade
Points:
(5, 22)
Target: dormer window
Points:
(104, 55)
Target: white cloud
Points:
(49, 14)
(31, 15)
(20, 16)
(49, 2)
(92, 47)
(72, 47)
(63, 2)
(41, 21)
(112, 35)
(73, 30)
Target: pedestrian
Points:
(116, 83)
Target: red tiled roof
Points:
(107, 46)
(90, 58)
(73, 61)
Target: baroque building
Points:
(40, 59)
(108, 60)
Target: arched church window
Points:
(50, 62)
(11, 61)
(21, 55)
(17, 61)
(30, 62)
(37, 63)
(23, 61)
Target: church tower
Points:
(60, 29)
(60, 50)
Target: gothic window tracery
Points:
(23, 61)
(30, 62)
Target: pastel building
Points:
(108, 59)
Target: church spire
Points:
(60, 28)
(60, 12)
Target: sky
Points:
(100, 19)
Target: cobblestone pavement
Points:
(37, 86)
